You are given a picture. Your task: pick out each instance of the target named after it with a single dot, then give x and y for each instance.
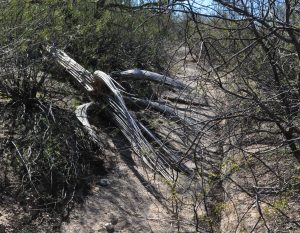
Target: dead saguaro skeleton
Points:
(102, 88)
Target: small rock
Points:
(109, 228)
(111, 144)
(104, 182)
(113, 219)
(96, 189)
(2, 228)
(124, 224)
(108, 153)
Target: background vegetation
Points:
(245, 151)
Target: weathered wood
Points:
(109, 93)
(82, 116)
(82, 76)
(168, 111)
(137, 74)
(174, 159)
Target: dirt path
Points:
(119, 203)
(128, 203)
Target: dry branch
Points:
(81, 75)
(167, 110)
(137, 74)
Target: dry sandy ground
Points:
(121, 205)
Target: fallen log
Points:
(137, 74)
(163, 108)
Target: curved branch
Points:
(82, 116)
(137, 74)
(163, 108)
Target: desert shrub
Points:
(47, 154)
(98, 37)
